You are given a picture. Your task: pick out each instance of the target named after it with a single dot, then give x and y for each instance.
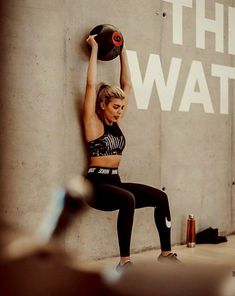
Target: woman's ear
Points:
(102, 105)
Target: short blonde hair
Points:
(105, 93)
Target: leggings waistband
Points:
(103, 170)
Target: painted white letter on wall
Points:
(196, 77)
(177, 21)
(224, 73)
(154, 73)
(203, 24)
(231, 30)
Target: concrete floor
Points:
(218, 254)
(207, 270)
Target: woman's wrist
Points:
(94, 48)
(123, 53)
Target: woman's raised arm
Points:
(90, 94)
(125, 76)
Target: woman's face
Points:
(113, 110)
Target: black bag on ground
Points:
(210, 236)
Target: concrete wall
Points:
(186, 146)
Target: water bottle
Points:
(191, 232)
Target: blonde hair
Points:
(105, 93)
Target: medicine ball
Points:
(110, 41)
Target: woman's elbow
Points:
(126, 86)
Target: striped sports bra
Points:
(112, 142)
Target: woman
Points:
(102, 112)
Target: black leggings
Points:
(112, 194)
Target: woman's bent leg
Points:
(109, 198)
(147, 196)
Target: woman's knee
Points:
(127, 200)
(161, 199)
(164, 196)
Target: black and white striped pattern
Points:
(112, 142)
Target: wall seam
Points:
(160, 123)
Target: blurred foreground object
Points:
(35, 265)
(158, 279)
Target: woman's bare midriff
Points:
(110, 161)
